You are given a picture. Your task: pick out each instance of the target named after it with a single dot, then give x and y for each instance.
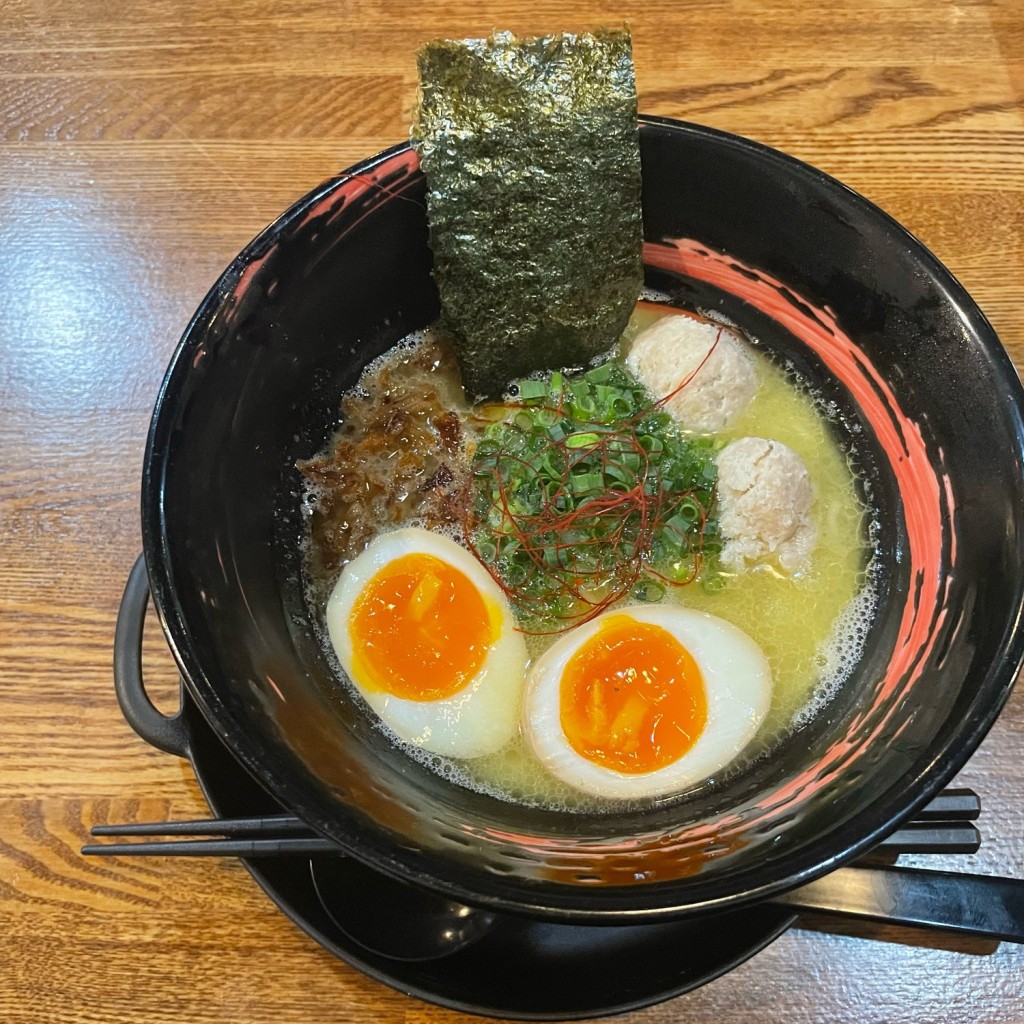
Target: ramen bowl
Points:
(927, 404)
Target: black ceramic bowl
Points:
(929, 406)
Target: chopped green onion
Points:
(587, 483)
(529, 389)
(649, 590)
(582, 440)
(583, 486)
(600, 374)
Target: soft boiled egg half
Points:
(645, 701)
(428, 639)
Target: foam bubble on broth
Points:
(841, 651)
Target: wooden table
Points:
(140, 147)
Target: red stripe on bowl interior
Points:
(352, 186)
(928, 504)
(349, 187)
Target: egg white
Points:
(737, 684)
(484, 714)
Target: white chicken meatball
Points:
(673, 349)
(765, 498)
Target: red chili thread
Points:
(633, 514)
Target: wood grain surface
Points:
(141, 146)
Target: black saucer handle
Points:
(165, 732)
(979, 905)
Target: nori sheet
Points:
(531, 153)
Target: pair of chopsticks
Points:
(942, 826)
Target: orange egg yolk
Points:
(632, 697)
(420, 629)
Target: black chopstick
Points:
(304, 845)
(941, 826)
(951, 837)
(951, 805)
(931, 837)
(240, 827)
